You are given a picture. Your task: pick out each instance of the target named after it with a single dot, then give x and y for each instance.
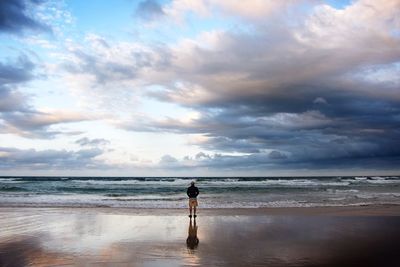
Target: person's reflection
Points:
(192, 241)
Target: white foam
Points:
(175, 182)
(330, 190)
(383, 181)
(235, 182)
(379, 178)
(373, 180)
(275, 182)
(146, 197)
(361, 178)
(10, 180)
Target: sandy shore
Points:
(367, 210)
(336, 236)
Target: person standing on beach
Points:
(192, 193)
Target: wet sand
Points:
(355, 236)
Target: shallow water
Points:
(85, 237)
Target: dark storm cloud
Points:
(149, 10)
(277, 161)
(15, 17)
(311, 95)
(350, 127)
(48, 159)
(353, 128)
(276, 155)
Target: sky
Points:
(199, 87)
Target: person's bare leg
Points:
(190, 210)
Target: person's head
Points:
(192, 183)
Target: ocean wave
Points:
(361, 178)
(116, 195)
(378, 195)
(10, 180)
(169, 192)
(375, 180)
(383, 177)
(145, 197)
(170, 182)
(276, 182)
(331, 190)
(383, 182)
(11, 189)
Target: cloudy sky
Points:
(199, 87)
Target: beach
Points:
(277, 120)
(328, 236)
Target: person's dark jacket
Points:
(192, 191)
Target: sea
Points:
(215, 192)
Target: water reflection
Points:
(98, 238)
(192, 240)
